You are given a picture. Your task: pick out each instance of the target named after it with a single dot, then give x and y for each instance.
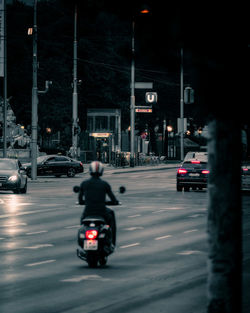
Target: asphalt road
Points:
(159, 264)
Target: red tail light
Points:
(195, 162)
(245, 169)
(81, 164)
(91, 234)
(182, 171)
(205, 172)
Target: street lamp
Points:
(132, 95)
(169, 128)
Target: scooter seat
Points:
(94, 219)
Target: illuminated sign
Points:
(100, 134)
(143, 110)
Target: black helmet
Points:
(96, 168)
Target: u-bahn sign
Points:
(151, 97)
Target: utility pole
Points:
(132, 100)
(75, 95)
(181, 109)
(34, 101)
(35, 93)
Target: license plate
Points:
(194, 174)
(90, 244)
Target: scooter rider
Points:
(94, 191)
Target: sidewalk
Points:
(155, 167)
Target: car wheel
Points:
(16, 191)
(186, 188)
(24, 189)
(179, 188)
(58, 176)
(71, 172)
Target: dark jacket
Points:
(94, 190)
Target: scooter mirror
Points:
(76, 189)
(122, 189)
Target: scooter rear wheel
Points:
(103, 261)
(92, 262)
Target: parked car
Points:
(12, 176)
(245, 176)
(192, 174)
(56, 165)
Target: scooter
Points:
(95, 238)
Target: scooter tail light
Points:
(91, 234)
(182, 171)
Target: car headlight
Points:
(13, 178)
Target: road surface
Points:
(160, 260)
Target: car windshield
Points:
(41, 159)
(8, 165)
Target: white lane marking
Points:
(37, 232)
(163, 237)
(167, 209)
(190, 231)
(132, 216)
(74, 226)
(13, 225)
(40, 263)
(84, 277)
(195, 215)
(159, 211)
(131, 245)
(2, 238)
(175, 208)
(189, 252)
(45, 245)
(133, 228)
(1, 201)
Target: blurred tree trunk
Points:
(224, 218)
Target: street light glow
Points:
(30, 31)
(145, 11)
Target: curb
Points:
(144, 170)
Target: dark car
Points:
(192, 174)
(245, 176)
(56, 165)
(12, 176)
